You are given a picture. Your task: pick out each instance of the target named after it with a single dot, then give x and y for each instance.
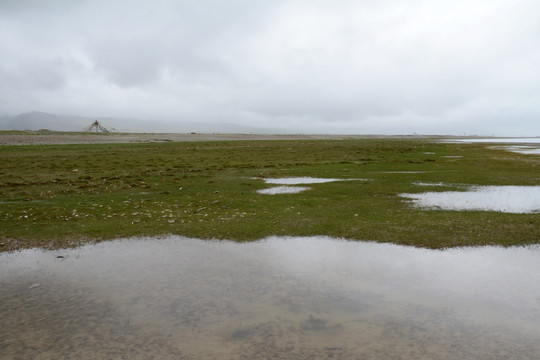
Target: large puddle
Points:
(527, 150)
(285, 182)
(300, 180)
(534, 140)
(531, 149)
(283, 190)
(280, 298)
(509, 199)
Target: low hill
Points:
(36, 120)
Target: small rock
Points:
(60, 257)
(33, 286)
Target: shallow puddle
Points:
(294, 181)
(280, 298)
(509, 199)
(300, 180)
(420, 183)
(535, 140)
(528, 150)
(283, 190)
(402, 172)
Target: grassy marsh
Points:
(63, 195)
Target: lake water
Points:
(278, 298)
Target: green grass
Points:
(63, 195)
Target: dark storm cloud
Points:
(368, 66)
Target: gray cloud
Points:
(35, 75)
(127, 63)
(348, 66)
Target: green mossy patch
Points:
(65, 195)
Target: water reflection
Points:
(300, 180)
(278, 298)
(283, 190)
(535, 140)
(527, 150)
(508, 199)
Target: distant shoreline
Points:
(46, 137)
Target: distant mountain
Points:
(4, 121)
(36, 120)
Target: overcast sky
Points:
(364, 66)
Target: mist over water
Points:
(281, 297)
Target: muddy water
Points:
(280, 298)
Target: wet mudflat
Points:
(289, 298)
